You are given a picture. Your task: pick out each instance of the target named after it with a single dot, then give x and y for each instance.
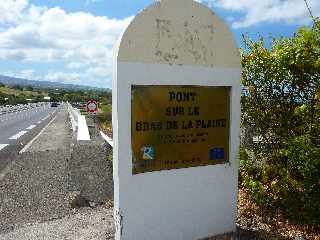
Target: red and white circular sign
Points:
(92, 106)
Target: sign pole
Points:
(92, 109)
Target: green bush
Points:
(281, 102)
(303, 171)
(106, 108)
(104, 117)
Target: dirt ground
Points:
(255, 222)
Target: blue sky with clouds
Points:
(71, 41)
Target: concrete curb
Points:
(107, 138)
(79, 124)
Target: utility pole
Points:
(310, 12)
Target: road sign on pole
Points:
(92, 106)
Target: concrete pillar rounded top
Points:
(179, 32)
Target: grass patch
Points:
(105, 108)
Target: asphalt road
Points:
(18, 129)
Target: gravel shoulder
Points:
(56, 136)
(34, 190)
(35, 187)
(82, 224)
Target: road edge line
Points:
(32, 126)
(17, 135)
(3, 146)
(36, 137)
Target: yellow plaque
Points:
(179, 127)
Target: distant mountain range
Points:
(11, 81)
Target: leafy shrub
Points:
(104, 117)
(281, 102)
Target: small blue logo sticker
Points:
(217, 154)
(147, 153)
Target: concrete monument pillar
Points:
(176, 124)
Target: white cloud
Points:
(28, 74)
(76, 65)
(255, 12)
(64, 77)
(25, 73)
(53, 34)
(99, 71)
(82, 41)
(11, 10)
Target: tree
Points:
(2, 98)
(17, 87)
(29, 88)
(281, 103)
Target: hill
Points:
(11, 81)
(17, 92)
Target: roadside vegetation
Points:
(18, 95)
(12, 95)
(105, 118)
(80, 96)
(281, 106)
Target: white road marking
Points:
(36, 137)
(19, 134)
(31, 127)
(2, 146)
(43, 119)
(39, 122)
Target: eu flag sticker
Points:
(217, 154)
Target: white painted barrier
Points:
(107, 138)
(83, 131)
(74, 117)
(79, 124)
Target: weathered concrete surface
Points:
(167, 33)
(90, 171)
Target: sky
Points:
(71, 41)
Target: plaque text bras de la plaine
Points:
(176, 127)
